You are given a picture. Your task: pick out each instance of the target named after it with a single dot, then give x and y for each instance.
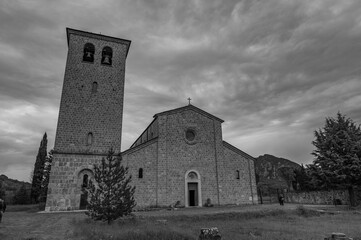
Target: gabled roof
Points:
(239, 151)
(186, 108)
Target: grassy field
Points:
(234, 223)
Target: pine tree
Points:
(38, 173)
(338, 155)
(111, 196)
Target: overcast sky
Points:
(273, 70)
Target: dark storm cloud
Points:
(273, 70)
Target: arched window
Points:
(89, 51)
(140, 173)
(107, 55)
(85, 181)
(95, 87)
(192, 176)
(89, 140)
(237, 174)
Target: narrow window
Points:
(89, 140)
(89, 50)
(190, 135)
(107, 55)
(140, 173)
(85, 181)
(237, 174)
(95, 87)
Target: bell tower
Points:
(90, 114)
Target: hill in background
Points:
(269, 171)
(12, 186)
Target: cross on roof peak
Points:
(189, 101)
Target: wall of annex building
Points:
(143, 157)
(238, 179)
(65, 181)
(177, 155)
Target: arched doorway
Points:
(84, 177)
(193, 193)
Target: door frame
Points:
(186, 190)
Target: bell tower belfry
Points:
(90, 114)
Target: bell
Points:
(88, 54)
(106, 59)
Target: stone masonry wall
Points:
(65, 182)
(145, 157)
(317, 197)
(242, 190)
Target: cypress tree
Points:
(38, 172)
(45, 182)
(111, 196)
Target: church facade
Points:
(180, 157)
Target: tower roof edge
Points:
(98, 36)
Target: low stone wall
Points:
(318, 197)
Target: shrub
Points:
(304, 212)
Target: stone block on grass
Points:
(210, 234)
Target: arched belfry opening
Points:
(88, 53)
(107, 55)
(84, 177)
(193, 193)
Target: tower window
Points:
(237, 174)
(107, 55)
(95, 87)
(90, 139)
(89, 51)
(140, 173)
(85, 181)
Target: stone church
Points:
(180, 157)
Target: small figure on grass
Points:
(281, 199)
(2, 208)
(111, 196)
